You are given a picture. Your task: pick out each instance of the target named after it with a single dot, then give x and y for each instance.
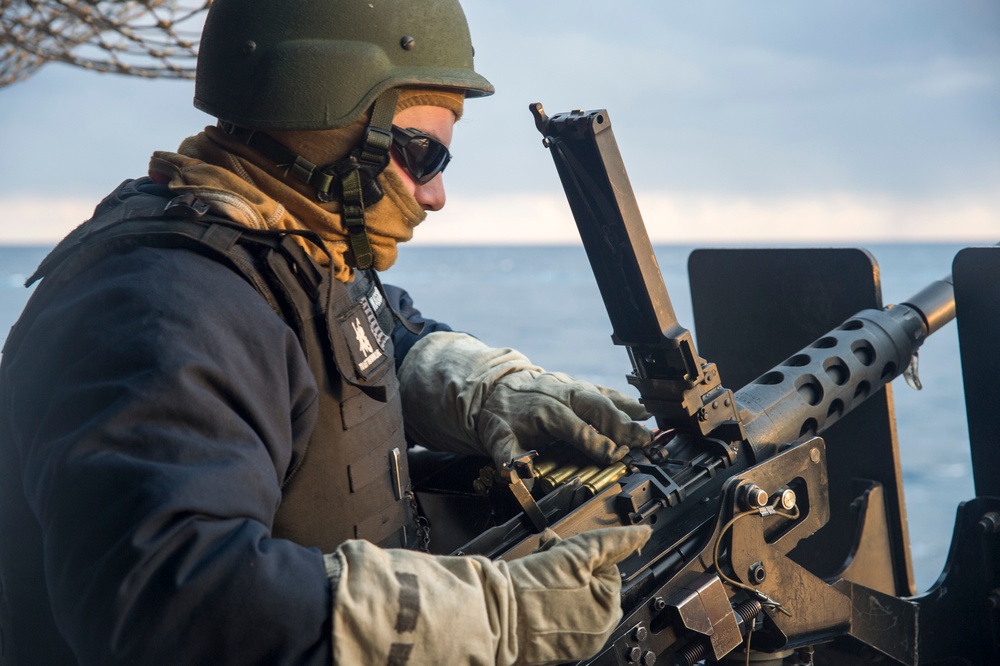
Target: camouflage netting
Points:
(149, 38)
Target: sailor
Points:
(202, 454)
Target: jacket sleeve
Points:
(155, 403)
(403, 338)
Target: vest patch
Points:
(380, 335)
(375, 298)
(365, 339)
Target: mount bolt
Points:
(788, 499)
(752, 496)
(989, 523)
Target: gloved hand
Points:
(460, 395)
(556, 605)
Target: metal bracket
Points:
(514, 473)
(703, 607)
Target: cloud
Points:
(836, 217)
(533, 219)
(777, 98)
(721, 219)
(41, 220)
(951, 77)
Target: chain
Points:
(423, 527)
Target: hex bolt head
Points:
(649, 658)
(633, 655)
(641, 633)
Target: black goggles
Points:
(423, 156)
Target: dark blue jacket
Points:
(148, 415)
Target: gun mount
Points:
(734, 481)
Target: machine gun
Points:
(734, 482)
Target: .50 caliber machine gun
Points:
(735, 483)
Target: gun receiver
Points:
(733, 481)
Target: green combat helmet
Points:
(321, 64)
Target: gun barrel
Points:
(822, 382)
(935, 303)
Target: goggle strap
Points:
(294, 165)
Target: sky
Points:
(831, 121)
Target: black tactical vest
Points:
(351, 478)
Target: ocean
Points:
(543, 301)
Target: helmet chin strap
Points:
(351, 180)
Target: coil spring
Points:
(748, 610)
(692, 654)
(695, 652)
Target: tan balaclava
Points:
(238, 182)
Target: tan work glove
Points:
(556, 605)
(463, 396)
